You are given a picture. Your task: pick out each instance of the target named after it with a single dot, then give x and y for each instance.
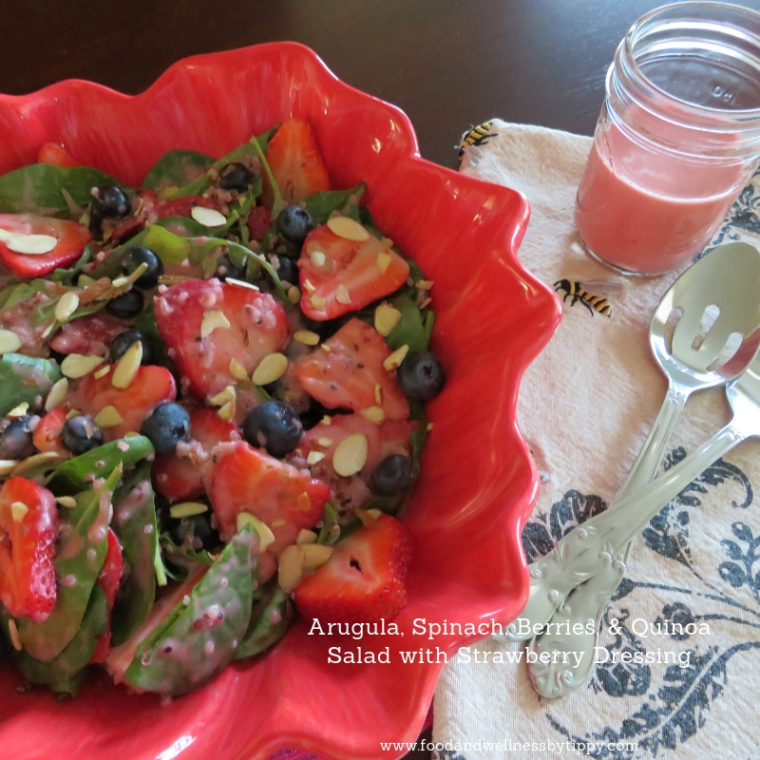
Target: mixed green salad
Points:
(212, 393)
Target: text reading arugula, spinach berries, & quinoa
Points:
(212, 395)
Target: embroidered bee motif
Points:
(478, 135)
(574, 290)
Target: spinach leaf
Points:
(270, 621)
(322, 205)
(134, 521)
(199, 636)
(59, 672)
(77, 473)
(415, 326)
(25, 379)
(49, 189)
(79, 559)
(177, 168)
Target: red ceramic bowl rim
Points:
(544, 319)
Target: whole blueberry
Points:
(287, 270)
(295, 223)
(273, 425)
(135, 256)
(80, 434)
(234, 176)
(126, 305)
(123, 341)
(16, 437)
(110, 202)
(392, 476)
(167, 425)
(421, 375)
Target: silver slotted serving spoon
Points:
(726, 280)
(608, 532)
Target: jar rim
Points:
(691, 14)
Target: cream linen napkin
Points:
(678, 673)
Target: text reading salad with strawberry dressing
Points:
(212, 395)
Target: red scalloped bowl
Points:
(478, 482)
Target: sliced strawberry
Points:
(364, 578)
(350, 375)
(108, 580)
(47, 434)
(249, 480)
(53, 153)
(28, 530)
(70, 240)
(247, 325)
(90, 335)
(389, 437)
(296, 162)
(179, 476)
(339, 275)
(151, 386)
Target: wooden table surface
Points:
(449, 64)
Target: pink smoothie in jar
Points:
(678, 137)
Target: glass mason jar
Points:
(678, 137)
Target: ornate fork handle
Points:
(575, 558)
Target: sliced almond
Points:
(318, 258)
(13, 634)
(306, 536)
(324, 440)
(30, 463)
(35, 245)
(386, 318)
(307, 337)
(350, 455)
(212, 320)
(375, 414)
(318, 302)
(290, 567)
(315, 555)
(308, 286)
(108, 417)
(69, 502)
(270, 368)
(393, 360)
(128, 366)
(67, 304)
(18, 511)
(314, 457)
(368, 516)
(342, 295)
(263, 531)
(18, 411)
(78, 365)
(224, 396)
(350, 229)
(208, 217)
(187, 509)
(378, 394)
(102, 371)
(237, 370)
(227, 411)
(294, 294)
(9, 342)
(7, 466)
(383, 260)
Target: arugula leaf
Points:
(49, 189)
